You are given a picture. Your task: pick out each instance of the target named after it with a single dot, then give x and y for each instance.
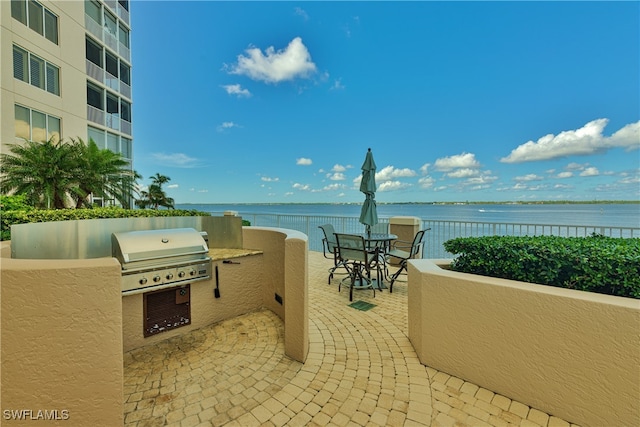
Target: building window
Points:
(111, 64)
(20, 64)
(110, 24)
(94, 52)
(111, 141)
(31, 69)
(124, 4)
(50, 26)
(37, 17)
(35, 125)
(123, 36)
(125, 147)
(93, 10)
(19, 10)
(125, 111)
(95, 96)
(125, 73)
(98, 136)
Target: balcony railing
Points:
(440, 232)
(95, 115)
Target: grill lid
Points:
(137, 249)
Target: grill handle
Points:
(127, 259)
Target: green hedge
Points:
(596, 264)
(24, 216)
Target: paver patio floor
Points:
(361, 371)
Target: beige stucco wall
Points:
(572, 354)
(286, 274)
(61, 339)
(240, 292)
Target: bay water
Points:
(596, 214)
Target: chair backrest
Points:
(380, 228)
(417, 243)
(352, 247)
(329, 237)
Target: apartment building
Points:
(66, 72)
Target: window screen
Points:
(19, 10)
(51, 26)
(36, 71)
(123, 35)
(53, 79)
(35, 16)
(20, 64)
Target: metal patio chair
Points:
(330, 250)
(360, 262)
(404, 251)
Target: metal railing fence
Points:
(440, 232)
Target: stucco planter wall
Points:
(569, 353)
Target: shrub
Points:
(596, 264)
(23, 216)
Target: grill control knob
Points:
(156, 278)
(192, 272)
(182, 274)
(169, 276)
(143, 281)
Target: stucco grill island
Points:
(162, 264)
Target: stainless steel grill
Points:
(157, 259)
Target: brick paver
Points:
(361, 371)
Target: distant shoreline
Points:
(542, 202)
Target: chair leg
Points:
(403, 267)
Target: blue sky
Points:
(268, 102)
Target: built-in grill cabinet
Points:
(166, 309)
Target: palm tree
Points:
(154, 197)
(102, 173)
(43, 171)
(159, 179)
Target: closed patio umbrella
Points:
(369, 213)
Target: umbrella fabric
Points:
(369, 213)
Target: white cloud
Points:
(389, 172)
(464, 160)
(226, 125)
(337, 85)
(334, 187)
(301, 12)
(303, 187)
(337, 176)
(586, 140)
(591, 171)
(237, 90)
(275, 66)
(173, 186)
(529, 177)
(303, 161)
(338, 168)
(392, 186)
(268, 179)
(565, 175)
(178, 160)
(426, 182)
(425, 168)
(463, 173)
